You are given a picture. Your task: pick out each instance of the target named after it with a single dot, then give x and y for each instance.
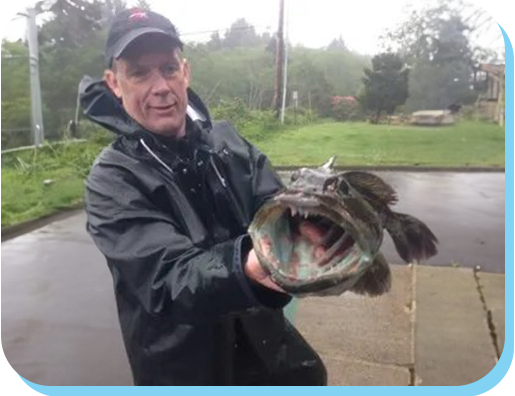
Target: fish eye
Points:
(330, 184)
(343, 187)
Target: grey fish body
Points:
(351, 210)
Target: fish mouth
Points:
(295, 261)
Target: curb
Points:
(16, 230)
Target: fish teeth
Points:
(302, 212)
(293, 211)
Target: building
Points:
(490, 103)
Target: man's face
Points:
(152, 83)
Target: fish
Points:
(351, 211)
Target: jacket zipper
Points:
(156, 157)
(220, 177)
(222, 180)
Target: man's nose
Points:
(159, 84)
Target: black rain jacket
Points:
(171, 219)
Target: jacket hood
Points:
(102, 107)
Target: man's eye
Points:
(170, 69)
(138, 73)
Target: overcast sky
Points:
(313, 23)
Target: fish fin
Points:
(376, 280)
(371, 187)
(413, 239)
(330, 163)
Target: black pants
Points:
(294, 363)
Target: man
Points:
(168, 204)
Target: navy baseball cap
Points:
(130, 24)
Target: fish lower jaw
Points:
(341, 266)
(350, 261)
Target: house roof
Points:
(491, 68)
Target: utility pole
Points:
(35, 88)
(279, 62)
(285, 71)
(500, 110)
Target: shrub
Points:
(346, 108)
(235, 111)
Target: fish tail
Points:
(413, 239)
(376, 280)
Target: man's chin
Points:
(170, 130)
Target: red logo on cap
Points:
(138, 15)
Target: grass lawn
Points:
(25, 197)
(24, 193)
(463, 144)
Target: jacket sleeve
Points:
(158, 266)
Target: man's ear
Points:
(186, 71)
(112, 82)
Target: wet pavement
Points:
(60, 327)
(464, 210)
(59, 319)
(436, 326)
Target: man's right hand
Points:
(255, 271)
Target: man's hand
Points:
(255, 271)
(315, 236)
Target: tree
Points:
(143, 4)
(337, 45)
(240, 34)
(386, 84)
(220, 73)
(436, 41)
(445, 77)
(215, 42)
(436, 87)
(342, 69)
(15, 95)
(15, 70)
(71, 44)
(310, 82)
(71, 23)
(109, 9)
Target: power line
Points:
(8, 130)
(223, 30)
(500, 36)
(15, 57)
